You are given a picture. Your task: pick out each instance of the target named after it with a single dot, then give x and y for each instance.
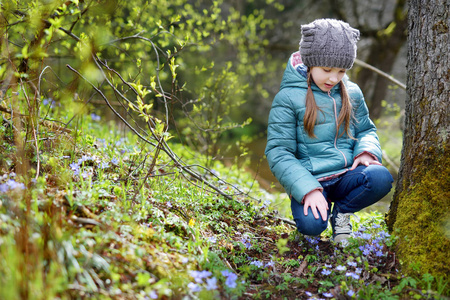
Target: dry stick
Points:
(389, 160)
(287, 221)
(165, 147)
(378, 71)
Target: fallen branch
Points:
(287, 221)
(85, 221)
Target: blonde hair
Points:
(345, 115)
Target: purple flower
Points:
(3, 188)
(341, 268)
(153, 295)
(95, 117)
(231, 282)
(230, 279)
(211, 283)
(309, 294)
(379, 253)
(74, 166)
(366, 252)
(169, 204)
(361, 228)
(246, 243)
(266, 203)
(352, 263)
(326, 272)
(384, 234)
(312, 240)
(328, 295)
(200, 275)
(353, 275)
(270, 264)
(184, 260)
(194, 287)
(350, 293)
(103, 165)
(366, 236)
(358, 270)
(257, 263)
(83, 159)
(48, 101)
(115, 161)
(12, 184)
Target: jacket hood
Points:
(295, 74)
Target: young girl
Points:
(321, 144)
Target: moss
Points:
(422, 216)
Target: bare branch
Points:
(165, 147)
(378, 71)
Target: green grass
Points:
(106, 220)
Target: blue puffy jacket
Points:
(298, 161)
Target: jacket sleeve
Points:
(281, 148)
(365, 131)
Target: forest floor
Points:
(97, 214)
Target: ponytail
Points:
(309, 120)
(345, 115)
(346, 111)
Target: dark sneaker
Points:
(341, 225)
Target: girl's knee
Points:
(309, 225)
(381, 177)
(380, 174)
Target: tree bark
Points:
(419, 212)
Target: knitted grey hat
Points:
(328, 43)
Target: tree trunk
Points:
(419, 214)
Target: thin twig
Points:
(378, 71)
(110, 106)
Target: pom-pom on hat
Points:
(328, 43)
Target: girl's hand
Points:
(364, 159)
(318, 203)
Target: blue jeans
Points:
(350, 192)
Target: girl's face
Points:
(326, 78)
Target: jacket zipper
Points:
(337, 128)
